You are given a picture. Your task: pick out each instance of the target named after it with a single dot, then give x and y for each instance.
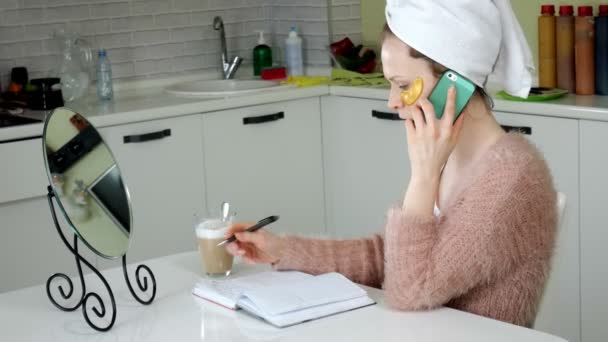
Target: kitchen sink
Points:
(216, 88)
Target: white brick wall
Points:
(346, 20)
(148, 38)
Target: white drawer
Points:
(22, 170)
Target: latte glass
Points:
(216, 261)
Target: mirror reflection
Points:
(87, 182)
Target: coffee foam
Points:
(212, 229)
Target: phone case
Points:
(464, 91)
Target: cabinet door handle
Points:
(252, 120)
(521, 129)
(386, 116)
(140, 138)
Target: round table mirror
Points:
(87, 183)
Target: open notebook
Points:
(285, 298)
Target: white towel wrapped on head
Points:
(472, 37)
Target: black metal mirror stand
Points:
(145, 282)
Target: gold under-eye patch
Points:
(413, 92)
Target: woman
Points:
(475, 230)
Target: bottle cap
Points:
(293, 32)
(547, 9)
(101, 52)
(261, 40)
(585, 11)
(566, 10)
(603, 10)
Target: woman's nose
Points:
(394, 101)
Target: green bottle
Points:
(262, 56)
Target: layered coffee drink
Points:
(216, 260)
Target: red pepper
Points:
(342, 47)
(368, 67)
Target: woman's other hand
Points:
(260, 247)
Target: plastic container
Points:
(262, 55)
(105, 89)
(547, 58)
(565, 48)
(584, 51)
(274, 73)
(293, 53)
(601, 51)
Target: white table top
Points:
(176, 315)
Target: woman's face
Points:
(401, 70)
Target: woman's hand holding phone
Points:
(431, 140)
(430, 143)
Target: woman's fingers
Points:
(409, 129)
(235, 248)
(450, 109)
(232, 248)
(236, 228)
(255, 238)
(428, 111)
(418, 118)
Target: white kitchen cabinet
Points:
(366, 164)
(162, 167)
(266, 160)
(30, 248)
(23, 172)
(594, 234)
(558, 140)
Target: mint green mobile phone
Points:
(464, 91)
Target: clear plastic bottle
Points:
(293, 48)
(105, 89)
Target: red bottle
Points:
(584, 51)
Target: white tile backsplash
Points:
(9, 4)
(109, 10)
(173, 20)
(66, 13)
(150, 7)
(346, 19)
(150, 38)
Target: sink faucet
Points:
(228, 68)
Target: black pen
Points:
(252, 229)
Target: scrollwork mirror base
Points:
(91, 301)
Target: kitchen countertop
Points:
(146, 100)
(150, 103)
(176, 315)
(571, 106)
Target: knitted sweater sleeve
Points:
(362, 261)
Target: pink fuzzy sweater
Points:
(488, 253)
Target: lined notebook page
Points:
(306, 293)
(226, 292)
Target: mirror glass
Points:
(87, 183)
